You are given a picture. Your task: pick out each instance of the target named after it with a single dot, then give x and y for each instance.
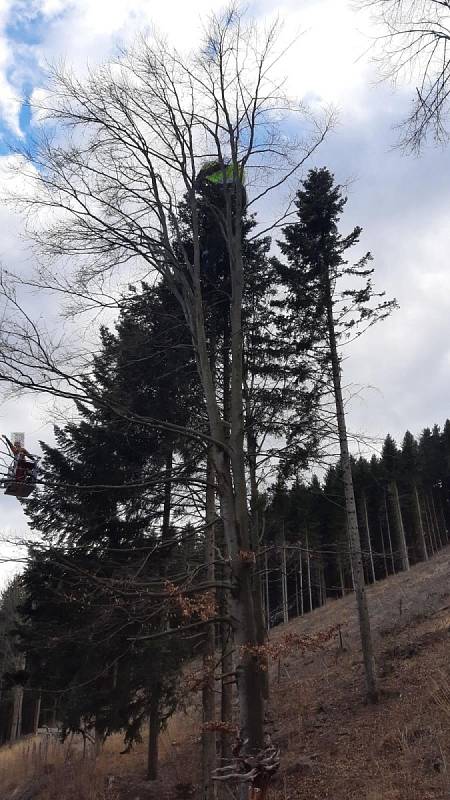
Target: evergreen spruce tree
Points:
(315, 252)
(105, 511)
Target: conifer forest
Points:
(217, 583)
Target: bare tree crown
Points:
(137, 133)
(415, 44)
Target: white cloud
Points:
(82, 32)
(9, 103)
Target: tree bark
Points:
(208, 692)
(284, 584)
(388, 528)
(153, 736)
(261, 634)
(324, 585)
(383, 547)
(420, 533)
(368, 539)
(36, 713)
(442, 517)
(399, 528)
(308, 572)
(435, 518)
(227, 689)
(341, 576)
(266, 584)
(302, 611)
(352, 574)
(352, 521)
(431, 540)
(229, 459)
(226, 630)
(248, 670)
(154, 722)
(16, 717)
(167, 508)
(432, 522)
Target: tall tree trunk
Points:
(16, 718)
(248, 672)
(154, 726)
(226, 629)
(399, 528)
(365, 517)
(53, 717)
(208, 692)
(352, 521)
(341, 576)
(435, 518)
(266, 585)
(380, 525)
(284, 584)
(323, 584)
(155, 701)
(226, 635)
(229, 464)
(227, 663)
(302, 610)
(167, 509)
(442, 517)
(431, 527)
(352, 574)
(388, 529)
(255, 533)
(36, 713)
(431, 547)
(250, 697)
(420, 533)
(308, 572)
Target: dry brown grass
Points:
(71, 775)
(27, 759)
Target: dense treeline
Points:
(403, 499)
(403, 502)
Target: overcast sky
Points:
(402, 202)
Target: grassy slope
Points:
(334, 745)
(337, 746)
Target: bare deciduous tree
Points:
(130, 144)
(416, 44)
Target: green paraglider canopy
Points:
(225, 174)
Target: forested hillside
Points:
(334, 744)
(202, 485)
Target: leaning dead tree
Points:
(130, 148)
(414, 43)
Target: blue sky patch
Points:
(25, 29)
